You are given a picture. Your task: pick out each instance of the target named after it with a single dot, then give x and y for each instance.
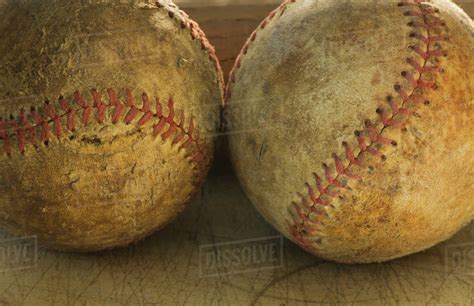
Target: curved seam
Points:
(49, 122)
(238, 61)
(197, 34)
(371, 140)
(21, 123)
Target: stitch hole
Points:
(401, 4)
(404, 73)
(394, 143)
(383, 157)
(389, 98)
(397, 87)
(46, 143)
(412, 34)
(410, 24)
(427, 102)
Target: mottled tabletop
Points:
(221, 251)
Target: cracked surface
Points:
(133, 167)
(165, 268)
(352, 107)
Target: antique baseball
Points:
(108, 109)
(351, 125)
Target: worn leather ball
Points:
(351, 125)
(108, 111)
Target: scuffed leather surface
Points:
(104, 185)
(310, 79)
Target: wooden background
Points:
(165, 269)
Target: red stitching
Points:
(245, 48)
(86, 108)
(16, 128)
(21, 124)
(196, 34)
(371, 139)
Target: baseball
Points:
(351, 125)
(107, 110)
